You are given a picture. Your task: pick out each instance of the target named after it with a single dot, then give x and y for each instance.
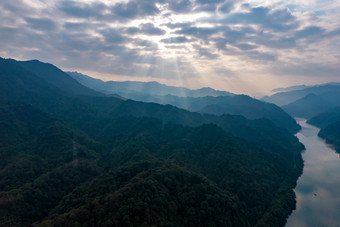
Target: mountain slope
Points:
(125, 88)
(73, 151)
(78, 110)
(252, 109)
(149, 194)
(57, 78)
(308, 106)
(331, 133)
(236, 104)
(285, 98)
(325, 118)
(329, 122)
(204, 163)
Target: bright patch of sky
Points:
(241, 46)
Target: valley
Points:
(73, 156)
(316, 190)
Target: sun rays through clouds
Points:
(227, 44)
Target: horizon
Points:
(259, 96)
(243, 47)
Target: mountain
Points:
(329, 122)
(228, 104)
(331, 133)
(302, 87)
(291, 88)
(308, 106)
(125, 88)
(237, 105)
(91, 160)
(325, 118)
(285, 98)
(312, 105)
(56, 77)
(242, 105)
(166, 173)
(308, 102)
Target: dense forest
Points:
(74, 157)
(329, 122)
(206, 101)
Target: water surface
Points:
(318, 188)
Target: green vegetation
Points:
(308, 106)
(331, 133)
(208, 102)
(325, 118)
(329, 122)
(98, 161)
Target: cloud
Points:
(204, 52)
(114, 35)
(146, 29)
(277, 20)
(207, 5)
(177, 39)
(76, 26)
(227, 7)
(135, 9)
(41, 23)
(309, 31)
(143, 37)
(83, 9)
(246, 46)
(199, 32)
(180, 6)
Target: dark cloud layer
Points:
(131, 36)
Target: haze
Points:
(240, 46)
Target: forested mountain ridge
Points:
(325, 118)
(284, 98)
(308, 102)
(127, 88)
(208, 103)
(56, 77)
(77, 110)
(329, 124)
(308, 106)
(87, 160)
(206, 150)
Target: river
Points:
(318, 188)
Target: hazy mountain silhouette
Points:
(325, 118)
(307, 107)
(237, 105)
(125, 88)
(291, 88)
(229, 104)
(285, 98)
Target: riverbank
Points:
(317, 189)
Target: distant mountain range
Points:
(292, 88)
(307, 102)
(127, 88)
(301, 87)
(77, 157)
(205, 100)
(237, 105)
(320, 104)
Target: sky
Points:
(248, 47)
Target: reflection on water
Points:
(318, 189)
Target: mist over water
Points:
(317, 190)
